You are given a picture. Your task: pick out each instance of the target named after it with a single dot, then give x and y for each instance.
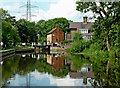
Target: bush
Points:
(65, 41)
(79, 46)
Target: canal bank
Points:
(9, 52)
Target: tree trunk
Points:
(108, 64)
(108, 45)
(107, 74)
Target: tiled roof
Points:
(87, 34)
(52, 31)
(80, 25)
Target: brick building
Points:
(55, 36)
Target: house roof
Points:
(87, 34)
(52, 31)
(80, 25)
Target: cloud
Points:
(67, 81)
(13, 9)
(63, 8)
(45, 79)
(10, 7)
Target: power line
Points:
(28, 7)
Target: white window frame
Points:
(83, 30)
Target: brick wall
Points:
(57, 35)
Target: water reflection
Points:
(55, 69)
(55, 61)
(106, 75)
(35, 69)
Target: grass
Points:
(83, 53)
(7, 48)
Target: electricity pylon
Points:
(28, 7)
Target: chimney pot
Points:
(85, 19)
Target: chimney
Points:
(85, 19)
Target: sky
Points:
(46, 9)
(45, 79)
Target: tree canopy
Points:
(106, 27)
(27, 31)
(9, 30)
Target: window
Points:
(56, 40)
(83, 30)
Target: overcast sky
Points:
(47, 9)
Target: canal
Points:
(57, 69)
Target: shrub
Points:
(79, 46)
(77, 36)
(65, 41)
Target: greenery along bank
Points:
(14, 32)
(106, 38)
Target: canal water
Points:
(55, 69)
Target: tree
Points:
(27, 31)
(77, 36)
(9, 30)
(108, 14)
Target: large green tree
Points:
(27, 31)
(107, 14)
(9, 29)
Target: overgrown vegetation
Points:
(79, 44)
(64, 42)
(106, 38)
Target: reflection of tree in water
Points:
(81, 68)
(78, 61)
(102, 77)
(9, 68)
(43, 66)
(26, 65)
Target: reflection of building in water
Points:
(49, 59)
(55, 61)
(85, 72)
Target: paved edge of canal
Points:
(12, 51)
